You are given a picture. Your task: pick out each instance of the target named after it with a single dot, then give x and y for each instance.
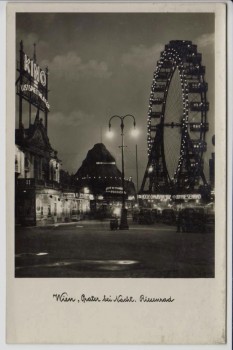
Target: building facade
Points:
(41, 195)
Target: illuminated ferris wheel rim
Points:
(174, 60)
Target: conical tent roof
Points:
(99, 163)
(99, 171)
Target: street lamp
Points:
(124, 222)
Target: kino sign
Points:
(34, 70)
(36, 83)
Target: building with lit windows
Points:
(42, 193)
(41, 197)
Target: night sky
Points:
(101, 65)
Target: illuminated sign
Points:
(84, 196)
(155, 196)
(32, 83)
(33, 89)
(168, 196)
(69, 195)
(34, 70)
(187, 196)
(114, 190)
(38, 76)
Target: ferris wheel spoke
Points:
(177, 112)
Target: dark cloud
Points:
(101, 65)
(139, 57)
(70, 66)
(74, 119)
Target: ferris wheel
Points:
(177, 121)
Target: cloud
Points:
(71, 67)
(205, 41)
(28, 40)
(141, 56)
(72, 119)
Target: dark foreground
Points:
(90, 249)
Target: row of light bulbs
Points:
(177, 62)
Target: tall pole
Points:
(20, 94)
(122, 165)
(46, 96)
(101, 137)
(30, 111)
(123, 223)
(137, 166)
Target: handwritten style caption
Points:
(119, 298)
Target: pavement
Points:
(90, 249)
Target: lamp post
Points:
(124, 222)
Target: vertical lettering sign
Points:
(32, 84)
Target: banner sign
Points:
(155, 196)
(168, 196)
(69, 195)
(187, 196)
(84, 196)
(114, 190)
(33, 89)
